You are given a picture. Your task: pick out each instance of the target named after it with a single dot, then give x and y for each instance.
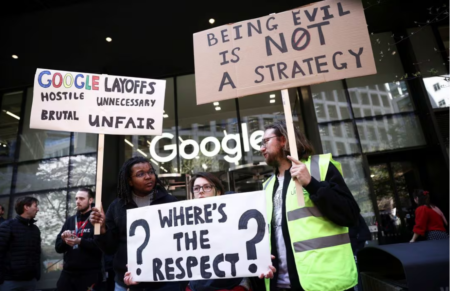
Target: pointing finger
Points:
(295, 161)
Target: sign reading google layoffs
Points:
(80, 102)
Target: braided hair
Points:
(124, 190)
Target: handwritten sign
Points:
(218, 237)
(321, 42)
(82, 102)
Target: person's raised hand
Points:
(98, 216)
(270, 272)
(299, 172)
(128, 279)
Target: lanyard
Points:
(81, 227)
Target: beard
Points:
(84, 209)
(274, 159)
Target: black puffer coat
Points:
(20, 250)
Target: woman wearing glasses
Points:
(204, 185)
(137, 186)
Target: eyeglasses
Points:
(266, 140)
(143, 174)
(206, 188)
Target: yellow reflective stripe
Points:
(321, 242)
(303, 212)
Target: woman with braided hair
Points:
(429, 219)
(138, 186)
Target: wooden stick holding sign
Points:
(292, 142)
(98, 188)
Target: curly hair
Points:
(124, 190)
(304, 147)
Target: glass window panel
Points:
(344, 113)
(144, 144)
(4, 201)
(426, 49)
(356, 181)
(383, 84)
(9, 125)
(394, 132)
(38, 144)
(5, 179)
(354, 97)
(197, 122)
(84, 143)
(402, 170)
(335, 110)
(375, 99)
(329, 96)
(338, 139)
(50, 219)
(83, 169)
(320, 111)
(341, 97)
(46, 174)
(332, 112)
(438, 89)
(385, 199)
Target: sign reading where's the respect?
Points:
(217, 237)
(83, 102)
(319, 42)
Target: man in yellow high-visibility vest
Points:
(310, 243)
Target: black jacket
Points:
(87, 257)
(114, 241)
(334, 200)
(359, 235)
(20, 250)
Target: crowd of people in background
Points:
(88, 257)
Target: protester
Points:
(311, 244)
(2, 212)
(20, 248)
(204, 185)
(429, 219)
(138, 186)
(82, 257)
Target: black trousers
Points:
(78, 281)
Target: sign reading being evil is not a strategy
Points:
(83, 102)
(320, 42)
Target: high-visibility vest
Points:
(322, 251)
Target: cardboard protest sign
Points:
(105, 104)
(217, 237)
(321, 42)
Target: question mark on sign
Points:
(250, 245)
(143, 223)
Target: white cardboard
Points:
(223, 238)
(136, 111)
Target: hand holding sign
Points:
(98, 216)
(299, 171)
